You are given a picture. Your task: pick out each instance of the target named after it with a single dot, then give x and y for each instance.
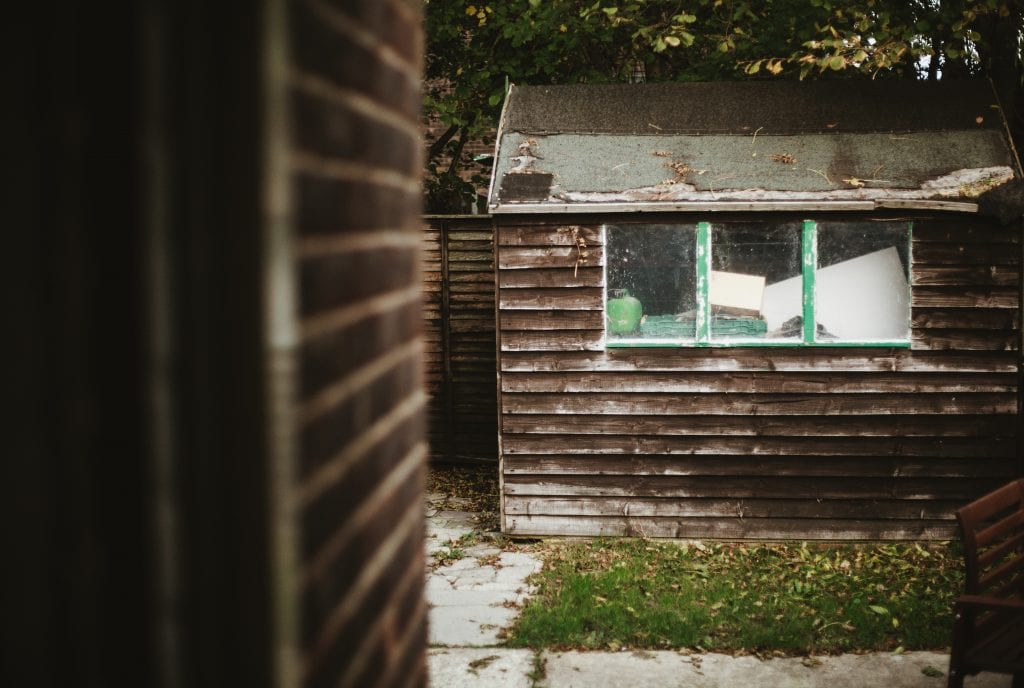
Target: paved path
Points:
(475, 589)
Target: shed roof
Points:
(737, 145)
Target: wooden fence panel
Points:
(459, 356)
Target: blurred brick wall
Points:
(356, 159)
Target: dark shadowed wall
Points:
(213, 316)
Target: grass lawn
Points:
(757, 598)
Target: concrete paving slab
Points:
(452, 597)
(469, 625)
(668, 669)
(479, 668)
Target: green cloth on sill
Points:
(685, 326)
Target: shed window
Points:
(836, 283)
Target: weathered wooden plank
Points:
(756, 404)
(965, 340)
(553, 340)
(565, 235)
(795, 360)
(838, 467)
(966, 275)
(474, 257)
(958, 232)
(471, 234)
(958, 297)
(730, 529)
(964, 253)
(615, 446)
(551, 320)
(455, 245)
(463, 266)
(740, 487)
(640, 507)
(577, 299)
(966, 318)
(752, 382)
(551, 277)
(484, 300)
(522, 258)
(766, 426)
(482, 276)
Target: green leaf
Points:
(672, 40)
(494, 99)
(836, 62)
(877, 609)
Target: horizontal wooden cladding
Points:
(756, 360)
(551, 320)
(551, 277)
(619, 445)
(966, 319)
(965, 340)
(965, 230)
(761, 404)
(765, 426)
(566, 235)
(964, 253)
(553, 340)
(527, 257)
(748, 487)
(925, 467)
(752, 382)
(576, 299)
(961, 297)
(972, 275)
(731, 508)
(725, 528)
(594, 340)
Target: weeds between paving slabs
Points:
(764, 598)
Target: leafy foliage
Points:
(475, 49)
(788, 598)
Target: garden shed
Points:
(755, 310)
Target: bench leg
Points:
(1018, 680)
(961, 626)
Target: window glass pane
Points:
(862, 285)
(651, 278)
(756, 283)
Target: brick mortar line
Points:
(364, 240)
(361, 36)
(320, 87)
(339, 318)
(384, 554)
(365, 374)
(335, 469)
(353, 523)
(412, 577)
(353, 171)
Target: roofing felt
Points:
(741, 107)
(743, 141)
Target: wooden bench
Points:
(988, 626)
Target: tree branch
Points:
(437, 146)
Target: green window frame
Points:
(810, 334)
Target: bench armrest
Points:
(991, 603)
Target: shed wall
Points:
(754, 442)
